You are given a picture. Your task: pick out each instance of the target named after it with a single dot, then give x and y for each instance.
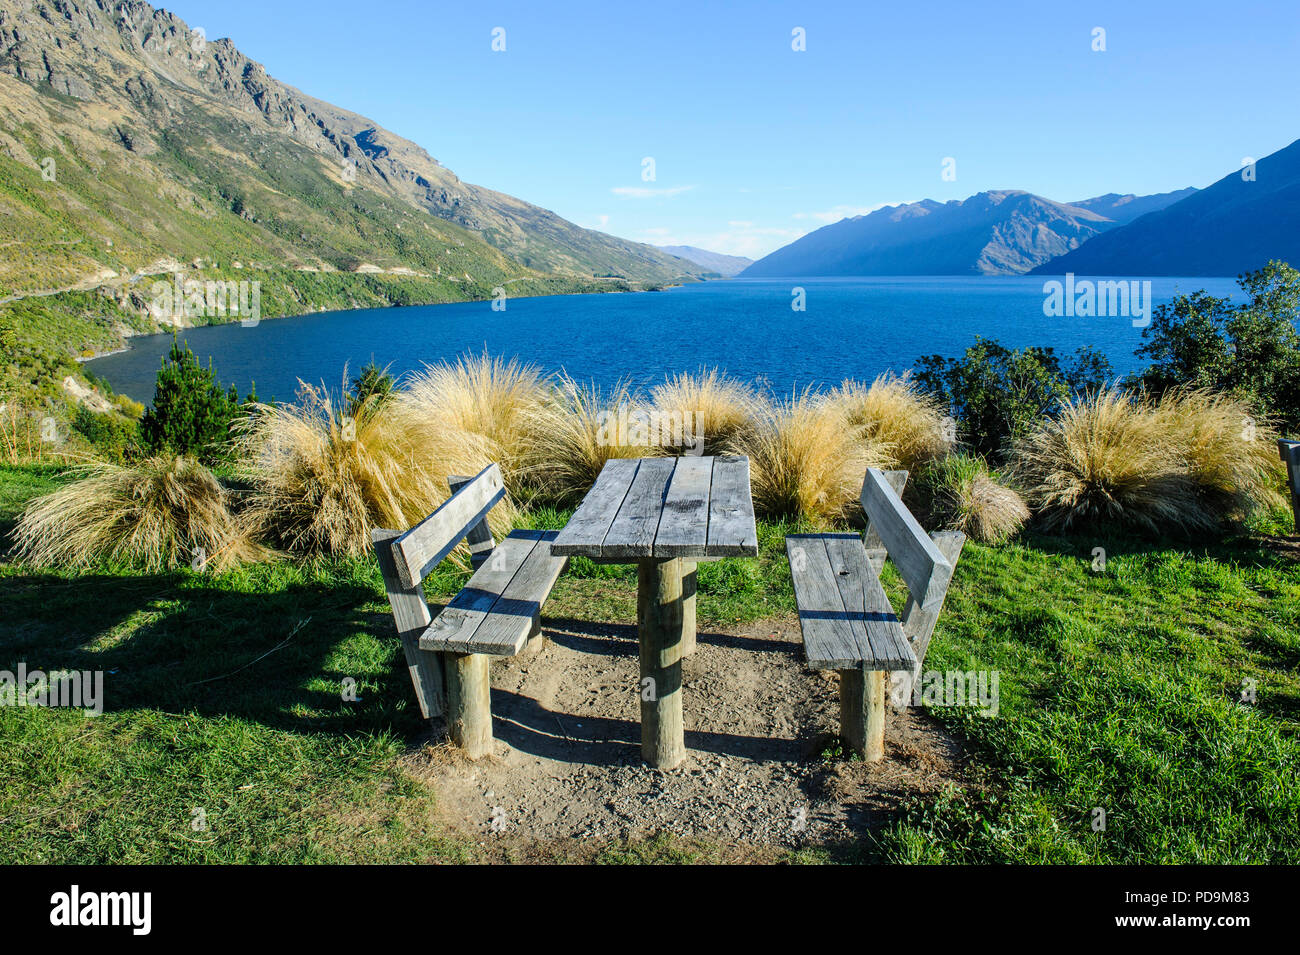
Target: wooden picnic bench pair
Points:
(498, 613)
(847, 620)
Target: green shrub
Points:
(1251, 350)
(191, 414)
(996, 394)
(116, 437)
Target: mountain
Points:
(1230, 227)
(1005, 232)
(1122, 210)
(724, 265)
(130, 142)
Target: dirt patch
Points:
(568, 764)
(1283, 546)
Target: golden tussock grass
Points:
(897, 418)
(322, 481)
(717, 409)
(490, 401)
(573, 433)
(964, 495)
(1229, 452)
(1183, 463)
(160, 513)
(806, 461)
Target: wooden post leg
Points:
(469, 702)
(534, 642)
(862, 712)
(688, 607)
(659, 620)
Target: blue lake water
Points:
(851, 328)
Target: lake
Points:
(851, 328)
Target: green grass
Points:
(1119, 689)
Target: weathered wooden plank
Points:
(659, 623)
(732, 530)
(584, 534)
(875, 547)
(684, 526)
(424, 546)
(632, 533)
(479, 537)
(411, 616)
(830, 638)
(919, 623)
(1290, 451)
(865, 599)
(918, 559)
(454, 629)
(516, 614)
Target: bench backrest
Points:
(920, 563)
(1290, 451)
(423, 547)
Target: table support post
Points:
(660, 623)
(688, 607)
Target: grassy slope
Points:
(1117, 690)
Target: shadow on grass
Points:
(182, 642)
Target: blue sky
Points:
(754, 143)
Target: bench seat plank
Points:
(845, 616)
(500, 606)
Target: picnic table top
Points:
(644, 508)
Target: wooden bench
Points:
(1290, 451)
(498, 613)
(847, 621)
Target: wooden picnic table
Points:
(665, 514)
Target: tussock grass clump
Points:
(1107, 459)
(897, 418)
(574, 432)
(807, 462)
(712, 407)
(487, 399)
(1186, 462)
(1229, 453)
(322, 480)
(962, 494)
(160, 513)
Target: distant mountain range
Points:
(129, 141)
(1235, 225)
(1004, 232)
(724, 265)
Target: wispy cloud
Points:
(649, 192)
